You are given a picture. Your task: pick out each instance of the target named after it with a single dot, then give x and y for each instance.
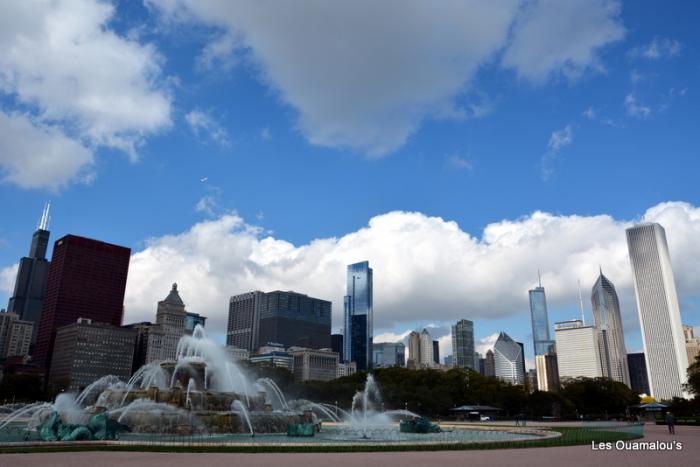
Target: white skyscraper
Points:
(508, 359)
(577, 350)
(426, 350)
(659, 315)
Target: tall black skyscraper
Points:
(30, 286)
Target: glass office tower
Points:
(358, 329)
(463, 344)
(540, 322)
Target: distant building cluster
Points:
(64, 323)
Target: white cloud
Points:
(61, 62)
(265, 134)
(425, 267)
(34, 155)
(391, 337)
(204, 126)
(657, 49)
(460, 163)
(634, 108)
(589, 113)
(561, 138)
(557, 140)
(364, 74)
(206, 204)
(554, 36)
(8, 275)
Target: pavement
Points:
(688, 455)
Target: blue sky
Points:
(236, 146)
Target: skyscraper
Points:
(540, 321)
(659, 314)
(508, 360)
(436, 352)
(638, 372)
(413, 350)
(288, 318)
(547, 372)
(358, 316)
(87, 279)
(386, 354)
(489, 364)
(577, 350)
(28, 296)
(608, 323)
(463, 344)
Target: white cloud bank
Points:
(425, 268)
(78, 84)
(364, 74)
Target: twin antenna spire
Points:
(45, 218)
(580, 301)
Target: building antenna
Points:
(539, 277)
(44, 222)
(580, 302)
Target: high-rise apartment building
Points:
(30, 286)
(87, 279)
(463, 344)
(577, 350)
(508, 360)
(86, 351)
(287, 318)
(608, 324)
(659, 314)
(540, 321)
(18, 338)
(359, 312)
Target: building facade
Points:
(287, 318)
(273, 355)
(638, 372)
(346, 369)
(32, 275)
(387, 354)
(337, 345)
(18, 339)
(86, 351)
(436, 352)
(659, 314)
(314, 364)
(540, 321)
(192, 320)
(489, 364)
(463, 344)
(692, 344)
(577, 350)
(426, 359)
(608, 324)
(547, 372)
(359, 314)
(508, 360)
(87, 279)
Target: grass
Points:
(569, 437)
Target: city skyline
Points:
(272, 162)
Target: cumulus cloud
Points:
(557, 140)
(658, 48)
(61, 62)
(33, 155)
(551, 37)
(365, 74)
(425, 267)
(204, 126)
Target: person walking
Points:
(671, 422)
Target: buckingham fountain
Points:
(203, 394)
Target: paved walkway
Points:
(535, 457)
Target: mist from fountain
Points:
(271, 389)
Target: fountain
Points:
(202, 393)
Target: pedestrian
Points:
(671, 422)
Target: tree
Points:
(693, 384)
